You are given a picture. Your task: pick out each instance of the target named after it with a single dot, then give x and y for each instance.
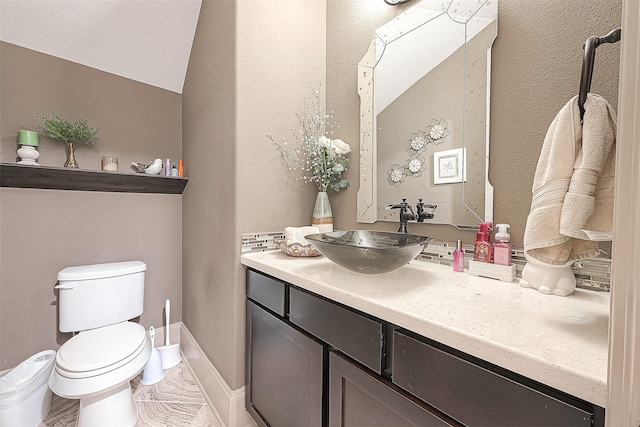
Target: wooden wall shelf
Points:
(51, 178)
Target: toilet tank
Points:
(92, 296)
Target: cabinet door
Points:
(357, 398)
(283, 372)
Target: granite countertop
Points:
(558, 341)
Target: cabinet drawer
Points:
(353, 334)
(474, 395)
(266, 291)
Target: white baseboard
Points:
(227, 404)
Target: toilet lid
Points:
(101, 350)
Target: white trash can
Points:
(25, 396)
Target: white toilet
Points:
(97, 364)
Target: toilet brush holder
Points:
(170, 353)
(153, 370)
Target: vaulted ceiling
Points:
(144, 40)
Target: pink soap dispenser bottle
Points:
(482, 247)
(502, 246)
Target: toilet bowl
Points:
(97, 364)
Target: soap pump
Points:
(502, 246)
(482, 247)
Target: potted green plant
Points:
(78, 132)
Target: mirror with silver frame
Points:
(424, 89)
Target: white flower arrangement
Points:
(321, 158)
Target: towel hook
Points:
(587, 64)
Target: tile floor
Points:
(175, 401)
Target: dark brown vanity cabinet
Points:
(311, 361)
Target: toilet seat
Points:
(83, 388)
(99, 351)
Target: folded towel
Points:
(572, 202)
(296, 234)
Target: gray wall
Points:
(536, 65)
(250, 68)
(44, 231)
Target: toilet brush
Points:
(170, 353)
(153, 371)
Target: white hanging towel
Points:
(572, 202)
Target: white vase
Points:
(322, 216)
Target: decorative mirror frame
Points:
(461, 11)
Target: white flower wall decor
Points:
(396, 175)
(434, 134)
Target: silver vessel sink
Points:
(369, 252)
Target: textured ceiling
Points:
(144, 40)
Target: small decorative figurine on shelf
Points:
(150, 168)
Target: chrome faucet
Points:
(407, 214)
(404, 215)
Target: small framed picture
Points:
(449, 166)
